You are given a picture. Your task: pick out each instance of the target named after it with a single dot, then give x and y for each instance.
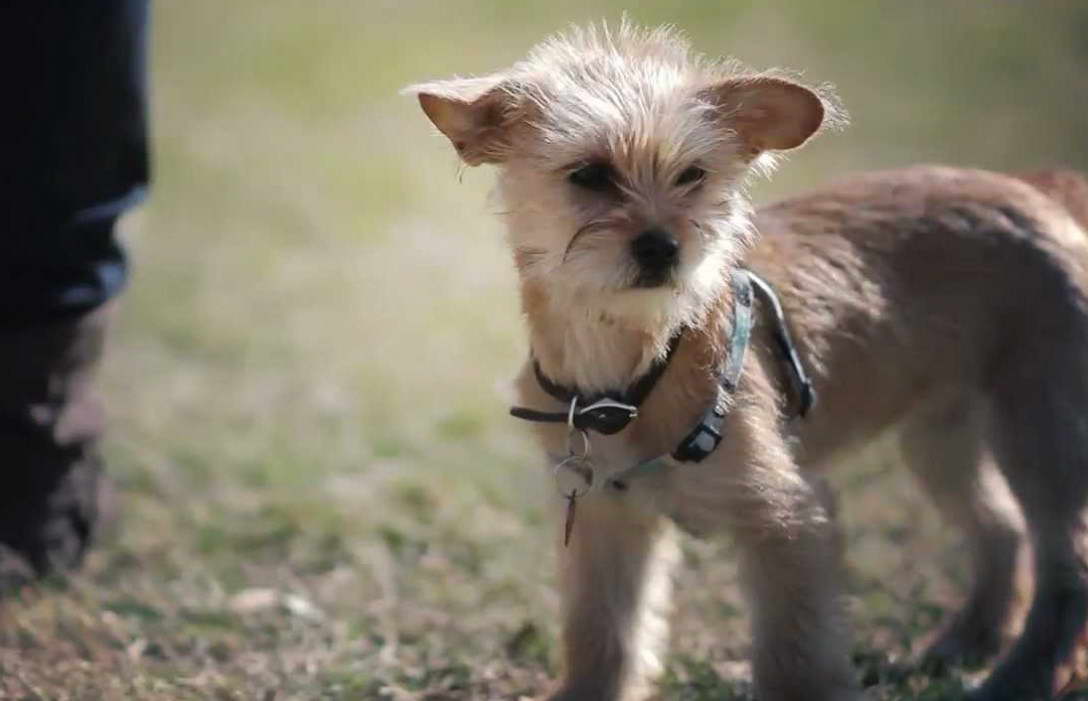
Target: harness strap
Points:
(608, 416)
(802, 386)
(707, 434)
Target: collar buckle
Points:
(701, 442)
(605, 416)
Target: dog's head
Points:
(622, 160)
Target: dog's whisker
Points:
(582, 231)
(526, 257)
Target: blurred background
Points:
(322, 494)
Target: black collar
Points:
(605, 412)
(607, 415)
(634, 395)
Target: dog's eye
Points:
(594, 176)
(691, 174)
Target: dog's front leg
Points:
(790, 562)
(799, 638)
(788, 553)
(615, 579)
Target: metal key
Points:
(572, 502)
(574, 478)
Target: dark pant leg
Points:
(75, 160)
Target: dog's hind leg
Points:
(615, 576)
(1040, 439)
(944, 447)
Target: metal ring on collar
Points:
(571, 452)
(566, 473)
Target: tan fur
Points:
(951, 303)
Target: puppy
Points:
(950, 303)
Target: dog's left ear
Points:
(475, 114)
(768, 113)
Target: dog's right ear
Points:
(475, 114)
(767, 112)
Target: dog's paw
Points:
(574, 695)
(595, 692)
(961, 644)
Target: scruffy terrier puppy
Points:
(950, 303)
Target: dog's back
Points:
(1067, 187)
(954, 304)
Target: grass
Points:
(322, 496)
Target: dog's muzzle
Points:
(657, 253)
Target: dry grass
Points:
(322, 495)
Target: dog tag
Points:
(574, 478)
(572, 502)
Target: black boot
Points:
(51, 482)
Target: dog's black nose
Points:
(655, 250)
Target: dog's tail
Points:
(1067, 187)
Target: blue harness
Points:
(610, 413)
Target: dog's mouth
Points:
(638, 273)
(650, 279)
